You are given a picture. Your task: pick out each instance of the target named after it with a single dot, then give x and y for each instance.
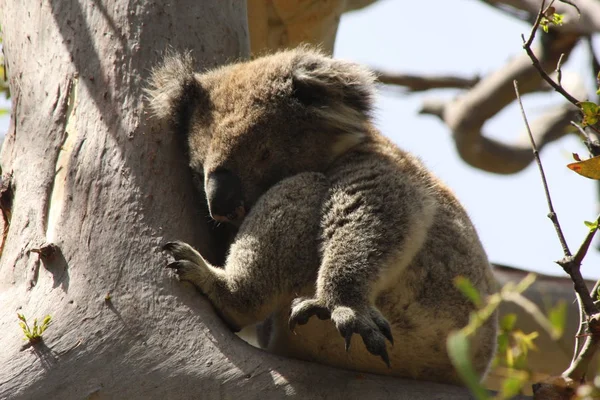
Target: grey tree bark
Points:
(93, 176)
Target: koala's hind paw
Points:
(303, 308)
(367, 322)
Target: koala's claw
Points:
(369, 324)
(183, 251)
(302, 309)
(185, 269)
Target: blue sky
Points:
(466, 37)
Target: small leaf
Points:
(557, 19)
(512, 386)
(558, 317)
(525, 341)
(458, 351)
(589, 168)
(592, 226)
(21, 317)
(591, 112)
(466, 288)
(34, 331)
(503, 341)
(576, 157)
(507, 323)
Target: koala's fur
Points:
(339, 222)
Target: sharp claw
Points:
(292, 324)
(347, 340)
(387, 332)
(173, 265)
(168, 246)
(386, 358)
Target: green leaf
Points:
(557, 19)
(507, 323)
(502, 342)
(591, 112)
(558, 317)
(466, 288)
(21, 317)
(525, 340)
(511, 387)
(592, 226)
(458, 350)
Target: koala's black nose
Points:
(224, 196)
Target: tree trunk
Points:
(93, 176)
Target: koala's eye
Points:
(265, 155)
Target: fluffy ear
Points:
(173, 89)
(333, 86)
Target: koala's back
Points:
(419, 301)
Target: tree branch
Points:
(466, 114)
(417, 83)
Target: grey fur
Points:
(342, 224)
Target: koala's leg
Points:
(375, 221)
(272, 259)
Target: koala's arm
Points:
(376, 218)
(273, 257)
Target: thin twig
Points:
(559, 69)
(572, 266)
(536, 63)
(582, 316)
(586, 244)
(572, 5)
(536, 25)
(592, 145)
(588, 310)
(580, 364)
(573, 269)
(552, 215)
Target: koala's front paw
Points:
(367, 322)
(188, 262)
(183, 251)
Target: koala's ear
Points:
(173, 90)
(321, 81)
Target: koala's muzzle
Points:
(224, 196)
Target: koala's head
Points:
(252, 124)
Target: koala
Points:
(333, 219)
